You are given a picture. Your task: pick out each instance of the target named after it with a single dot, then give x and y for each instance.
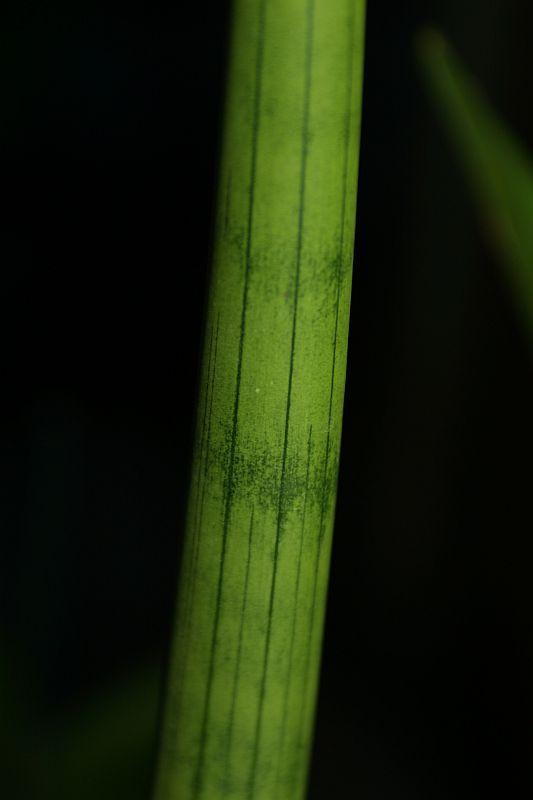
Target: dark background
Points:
(109, 124)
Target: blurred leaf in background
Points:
(101, 748)
(15, 716)
(499, 169)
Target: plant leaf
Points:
(104, 749)
(499, 169)
(243, 675)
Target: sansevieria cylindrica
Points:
(242, 684)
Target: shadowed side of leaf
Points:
(499, 169)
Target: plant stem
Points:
(246, 652)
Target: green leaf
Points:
(103, 749)
(245, 665)
(499, 169)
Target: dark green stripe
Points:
(210, 391)
(201, 454)
(288, 681)
(198, 777)
(325, 484)
(227, 204)
(208, 441)
(236, 680)
(279, 522)
(191, 572)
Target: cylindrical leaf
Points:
(244, 669)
